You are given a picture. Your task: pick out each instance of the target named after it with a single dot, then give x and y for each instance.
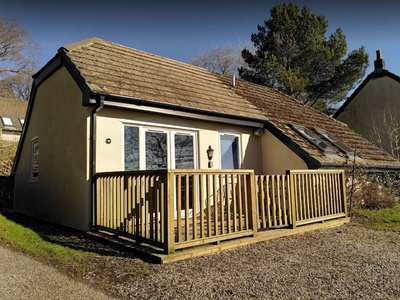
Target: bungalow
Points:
(101, 107)
(12, 116)
(372, 110)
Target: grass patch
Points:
(382, 219)
(73, 254)
(28, 241)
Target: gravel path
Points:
(345, 262)
(22, 277)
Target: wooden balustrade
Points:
(273, 203)
(175, 209)
(212, 206)
(317, 195)
(132, 203)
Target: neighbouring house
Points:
(12, 117)
(101, 107)
(373, 109)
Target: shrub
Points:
(369, 193)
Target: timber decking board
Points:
(157, 256)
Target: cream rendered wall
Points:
(277, 157)
(110, 124)
(62, 194)
(378, 97)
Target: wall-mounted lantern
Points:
(210, 154)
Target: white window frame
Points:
(34, 141)
(7, 121)
(239, 148)
(171, 132)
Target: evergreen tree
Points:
(294, 56)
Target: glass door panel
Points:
(156, 150)
(229, 152)
(184, 154)
(184, 159)
(131, 139)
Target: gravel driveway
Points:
(345, 262)
(22, 277)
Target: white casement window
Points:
(230, 151)
(35, 159)
(152, 148)
(7, 121)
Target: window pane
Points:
(156, 150)
(184, 156)
(35, 159)
(229, 152)
(131, 148)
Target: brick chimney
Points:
(379, 63)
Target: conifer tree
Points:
(294, 56)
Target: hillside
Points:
(7, 154)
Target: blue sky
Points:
(181, 29)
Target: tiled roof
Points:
(14, 109)
(113, 69)
(118, 70)
(282, 110)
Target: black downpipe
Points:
(92, 158)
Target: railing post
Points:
(169, 228)
(293, 199)
(343, 192)
(253, 214)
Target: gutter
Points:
(124, 102)
(92, 156)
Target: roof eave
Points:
(172, 109)
(312, 162)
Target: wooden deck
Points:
(156, 255)
(176, 209)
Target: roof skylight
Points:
(332, 139)
(7, 121)
(314, 139)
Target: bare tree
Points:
(224, 59)
(18, 59)
(387, 134)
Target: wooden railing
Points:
(317, 195)
(176, 209)
(133, 203)
(273, 201)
